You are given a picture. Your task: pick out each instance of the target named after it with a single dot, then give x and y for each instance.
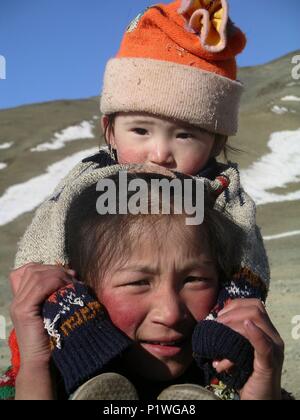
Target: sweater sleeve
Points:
(240, 207)
(35, 243)
(7, 385)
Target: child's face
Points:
(141, 138)
(158, 295)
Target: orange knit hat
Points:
(179, 61)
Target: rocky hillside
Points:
(39, 144)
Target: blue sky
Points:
(57, 49)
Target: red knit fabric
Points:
(8, 380)
(161, 34)
(15, 353)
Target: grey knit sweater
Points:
(44, 242)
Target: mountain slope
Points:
(269, 106)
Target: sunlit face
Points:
(166, 285)
(141, 138)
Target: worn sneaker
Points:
(107, 386)
(186, 392)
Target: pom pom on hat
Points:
(208, 19)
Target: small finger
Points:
(262, 343)
(16, 277)
(42, 271)
(242, 303)
(37, 291)
(71, 272)
(235, 320)
(223, 365)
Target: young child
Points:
(170, 98)
(155, 297)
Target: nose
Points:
(169, 309)
(161, 153)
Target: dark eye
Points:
(144, 282)
(193, 279)
(140, 131)
(185, 136)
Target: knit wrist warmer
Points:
(214, 341)
(82, 337)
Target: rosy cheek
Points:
(191, 167)
(123, 313)
(130, 155)
(192, 161)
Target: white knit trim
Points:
(177, 91)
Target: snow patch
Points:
(277, 169)
(3, 166)
(291, 98)
(282, 235)
(25, 197)
(4, 146)
(73, 133)
(279, 110)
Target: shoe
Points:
(186, 392)
(107, 386)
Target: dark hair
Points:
(109, 127)
(94, 242)
(227, 148)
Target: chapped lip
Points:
(166, 342)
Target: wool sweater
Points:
(42, 242)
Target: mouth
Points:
(164, 343)
(164, 348)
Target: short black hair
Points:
(94, 242)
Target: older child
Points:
(154, 296)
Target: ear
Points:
(110, 138)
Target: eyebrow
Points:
(154, 270)
(197, 264)
(139, 121)
(183, 126)
(189, 127)
(140, 269)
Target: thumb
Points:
(223, 365)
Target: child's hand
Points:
(32, 284)
(249, 318)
